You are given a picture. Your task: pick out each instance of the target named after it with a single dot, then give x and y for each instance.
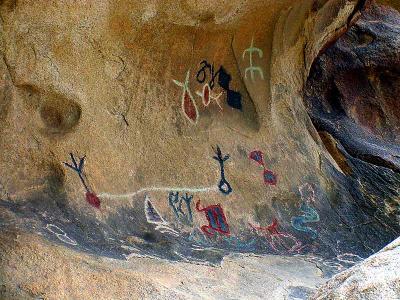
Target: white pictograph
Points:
(60, 234)
(160, 189)
(154, 217)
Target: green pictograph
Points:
(252, 68)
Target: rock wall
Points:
(182, 131)
(390, 3)
(352, 97)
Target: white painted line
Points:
(154, 189)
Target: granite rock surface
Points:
(142, 142)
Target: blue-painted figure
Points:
(223, 185)
(310, 215)
(176, 201)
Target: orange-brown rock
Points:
(181, 131)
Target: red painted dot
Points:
(257, 156)
(92, 199)
(269, 177)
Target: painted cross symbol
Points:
(91, 197)
(216, 219)
(252, 69)
(268, 176)
(223, 185)
(189, 106)
(176, 203)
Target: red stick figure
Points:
(268, 176)
(216, 219)
(278, 240)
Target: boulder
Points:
(377, 277)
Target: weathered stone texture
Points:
(199, 129)
(378, 277)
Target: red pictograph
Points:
(279, 241)
(216, 219)
(269, 177)
(92, 199)
(206, 95)
(189, 106)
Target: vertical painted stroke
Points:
(176, 201)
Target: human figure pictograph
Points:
(252, 68)
(91, 197)
(223, 184)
